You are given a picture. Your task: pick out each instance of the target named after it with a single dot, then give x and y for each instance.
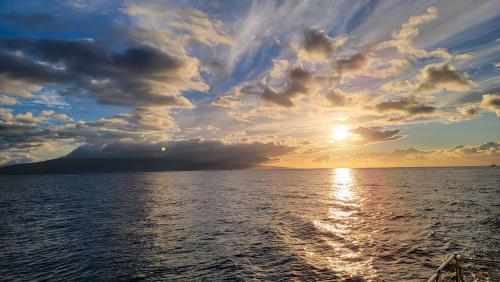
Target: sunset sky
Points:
(284, 83)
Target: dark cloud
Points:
(486, 148)
(145, 60)
(336, 99)
(352, 65)
(408, 105)
(297, 83)
(441, 76)
(196, 150)
(318, 43)
(139, 76)
(19, 67)
(489, 146)
(491, 102)
(376, 134)
(32, 20)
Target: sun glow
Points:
(340, 132)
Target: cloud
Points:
(137, 126)
(9, 120)
(28, 118)
(408, 105)
(376, 134)
(22, 131)
(6, 100)
(212, 128)
(459, 156)
(195, 150)
(32, 20)
(437, 77)
(17, 87)
(63, 117)
(336, 98)
(394, 67)
(48, 99)
(318, 46)
(489, 148)
(466, 112)
(491, 102)
(322, 159)
(48, 113)
(397, 86)
(297, 83)
(19, 67)
(317, 43)
(188, 25)
(402, 39)
(353, 65)
(147, 57)
(15, 158)
(29, 133)
(228, 102)
(138, 76)
(270, 20)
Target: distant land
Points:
(66, 165)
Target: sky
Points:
(302, 84)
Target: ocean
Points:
(341, 224)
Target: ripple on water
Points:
(284, 225)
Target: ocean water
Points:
(273, 225)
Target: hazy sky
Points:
(287, 83)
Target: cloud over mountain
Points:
(196, 150)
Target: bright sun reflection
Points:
(346, 227)
(343, 183)
(340, 132)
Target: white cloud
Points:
(6, 100)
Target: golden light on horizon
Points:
(340, 132)
(163, 149)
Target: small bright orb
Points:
(340, 132)
(163, 149)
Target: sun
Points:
(340, 132)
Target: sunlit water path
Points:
(338, 225)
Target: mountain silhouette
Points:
(66, 165)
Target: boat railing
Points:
(455, 268)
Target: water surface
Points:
(331, 224)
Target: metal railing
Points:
(452, 269)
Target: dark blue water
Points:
(337, 225)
